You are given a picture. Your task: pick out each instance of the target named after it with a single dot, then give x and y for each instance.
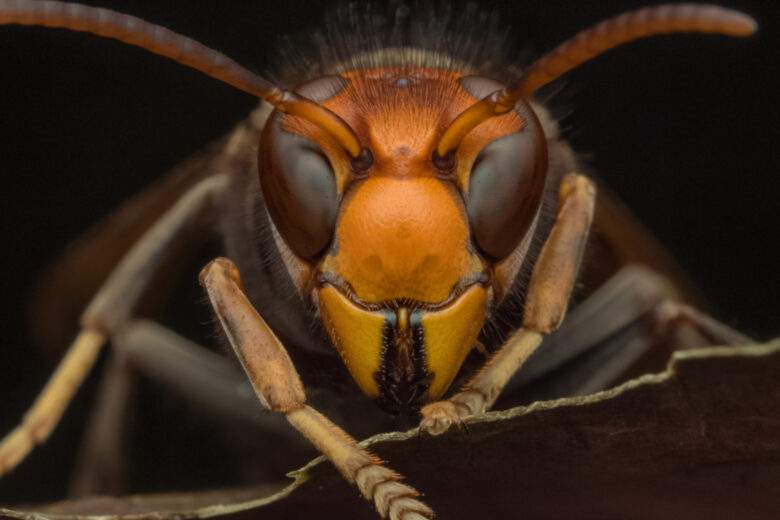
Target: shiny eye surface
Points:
(297, 179)
(506, 181)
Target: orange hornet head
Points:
(403, 252)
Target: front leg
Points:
(546, 301)
(279, 389)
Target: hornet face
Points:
(404, 255)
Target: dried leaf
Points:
(701, 439)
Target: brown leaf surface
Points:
(700, 440)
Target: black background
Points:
(682, 128)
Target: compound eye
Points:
(298, 182)
(506, 187)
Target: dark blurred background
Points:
(682, 128)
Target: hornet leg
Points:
(279, 388)
(548, 296)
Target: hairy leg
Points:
(279, 388)
(547, 299)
